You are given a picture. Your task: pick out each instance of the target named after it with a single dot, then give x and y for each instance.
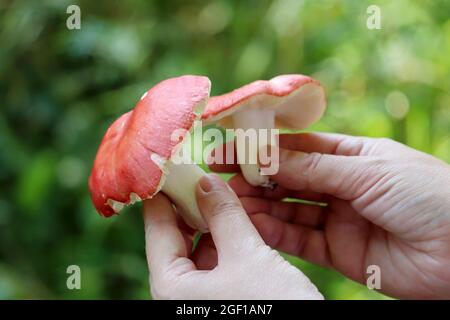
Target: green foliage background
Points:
(60, 89)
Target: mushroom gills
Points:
(179, 185)
(248, 142)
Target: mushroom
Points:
(135, 158)
(286, 101)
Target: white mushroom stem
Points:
(180, 184)
(250, 139)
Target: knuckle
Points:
(162, 289)
(170, 283)
(385, 142)
(353, 146)
(378, 163)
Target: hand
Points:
(387, 205)
(230, 263)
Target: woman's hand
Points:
(387, 205)
(232, 262)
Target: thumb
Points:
(345, 177)
(231, 229)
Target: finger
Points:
(345, 177)
(223, 158)
(348, 234)
(329, 143)
(205, 254)
(231, 229)
(243, 189)
(165, 243)
(187, 232)
(291, 212)
(304, 242)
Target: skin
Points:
(387, 205)
(239, 266)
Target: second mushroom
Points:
(287, 101)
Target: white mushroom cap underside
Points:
(298, 110)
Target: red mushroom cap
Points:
(129, 161)
(298, 101)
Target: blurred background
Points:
(60, 89)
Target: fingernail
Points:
(211, 182)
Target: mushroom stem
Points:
(249, 142)
(180, 185)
